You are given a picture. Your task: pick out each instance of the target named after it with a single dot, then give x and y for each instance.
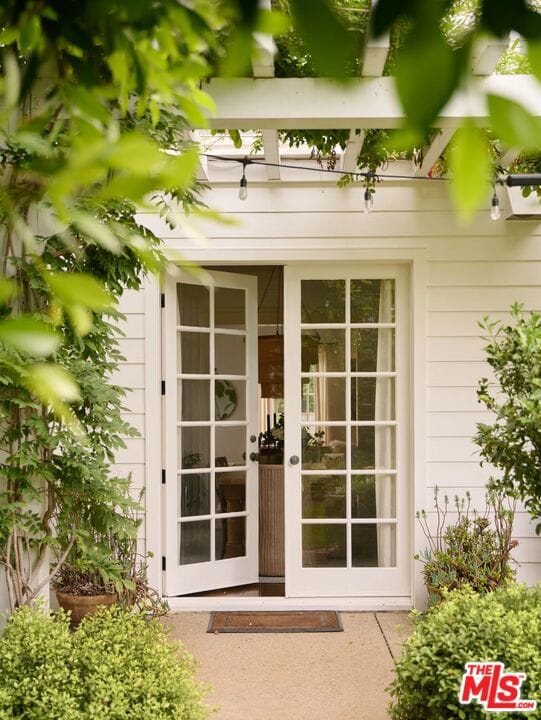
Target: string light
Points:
(368, 200)
(243, 188)
(495, 206)
(368, 175)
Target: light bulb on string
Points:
(243, 188)
(368, 200)
(495, 212)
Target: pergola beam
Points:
(271, 149)
(375, 56)
(433, 152)
(486, 55)
(263, 57)
(348, 161)
(297, 103)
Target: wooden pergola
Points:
(269, 104)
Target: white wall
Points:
(131, 374)
(463, 272)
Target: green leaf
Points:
(52, 383)
(95, 229)
(513, 124)
(81, 289)
(29, 336)
(272, 22)
(236, 138)
(428, 71)
(80, 318)
(86, 103)
(12, 85)
(8, 290)
(135, 153)
(469, 162)
(386, 12)
(180, 170)
(30, 36)
(330, 44)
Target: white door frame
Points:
(415, 258)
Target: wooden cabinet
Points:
(271, 521)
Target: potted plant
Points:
(99, 567)
(81, 591)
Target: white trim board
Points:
(351, 604)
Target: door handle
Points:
(294, 460)
(254, 457)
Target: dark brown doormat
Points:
(275, 622)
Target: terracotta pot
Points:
(82, 605)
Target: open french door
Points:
(211, 489)
(347, 417)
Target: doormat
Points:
(275, 622)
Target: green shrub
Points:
(38, 678)
(117, 665)
(504, 625)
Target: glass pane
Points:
(373, 496)
(372, 398)
(230, 446)
(373, 447)
(194, 447)
(323, 496)
(194, 399)
(372, 350)
(323, 350)
(328, 398)
(193, 306)
(230, 537)
(194, 542)
(373, 545)
(194, 494)
(229, 400)
(323, 447)
(372, 301)
(229, 308)
(229, 354)
(193, 353)
(230, 492)
(323, 301)
(324, 545)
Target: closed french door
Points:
(210, 494)
(346, 446)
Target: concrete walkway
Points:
(308, 676)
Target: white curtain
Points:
(384, 440)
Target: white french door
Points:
(211, 489)
(346, 448)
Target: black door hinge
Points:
(163, 477)
(163, 563)
(163, 387)
(162, 300)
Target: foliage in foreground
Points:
(512, 442)
(501, 626)
(474, 549)
(116, 665)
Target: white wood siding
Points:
(460, 292)
(131, 375)
(471, 270)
